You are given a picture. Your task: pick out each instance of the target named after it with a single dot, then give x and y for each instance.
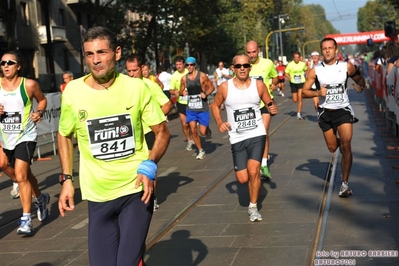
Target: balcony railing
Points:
(58, 34)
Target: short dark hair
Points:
(103, 33)
(296, 52)
(136, 57)
(329, 40)
(20, 59)
(179, 58)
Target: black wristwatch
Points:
(40, 112)
(64, 177)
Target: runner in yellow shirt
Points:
(263, 69)
(107, 109)
(295, 73)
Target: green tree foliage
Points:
(373, 15)
(210, 30)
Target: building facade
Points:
(31, 22)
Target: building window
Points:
(24, 13)
(61, 17)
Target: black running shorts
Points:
(295, 87)
(251, 148)
(23, 151)
(181, 108)
(332, 119)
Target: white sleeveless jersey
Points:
(16, 125)
(243, 112)
(334, 77)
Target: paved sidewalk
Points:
(217, 231)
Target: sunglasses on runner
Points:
(190, 65)
(242, 65)
(8, 62)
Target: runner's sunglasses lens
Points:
(242, 65)
(190, 65)
(8, 62)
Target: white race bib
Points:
(335, 93)
(11, 122)
(194, 102)
(245, 119)
(111, 137)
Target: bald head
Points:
(252, 50)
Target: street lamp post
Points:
(281, 20)
(270, 33)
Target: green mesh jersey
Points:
(108, 125)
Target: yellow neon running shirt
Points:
(175, 82)
(296, 71)
(266, 71)
(109, 128)
(158, 95)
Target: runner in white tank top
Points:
(335, 114)
(241, 96)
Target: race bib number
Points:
(183, 98)
(11, 122)
(194, 102)
(281, 73)
(335, 93)
(257, 77)
(245, 119)
(111, 137)
(297, 79)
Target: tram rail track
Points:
(321, 223)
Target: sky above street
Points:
(341, 13)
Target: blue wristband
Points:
(149, 169)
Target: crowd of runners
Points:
(120, 145)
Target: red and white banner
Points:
(359, 37)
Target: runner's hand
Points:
(66, 201)
(357, 87)
(323, 90)
(148, 186)
(224, 127)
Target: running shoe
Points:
(254, 214)
(42, 210)
(344, 190)
(208, 133)
(265, 172)
(298, 116)
(25, 226)
(15, 191)
(282, 95)
(189, 146)
(201, 155)
(156, 206)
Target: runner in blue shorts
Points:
(197, 86)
